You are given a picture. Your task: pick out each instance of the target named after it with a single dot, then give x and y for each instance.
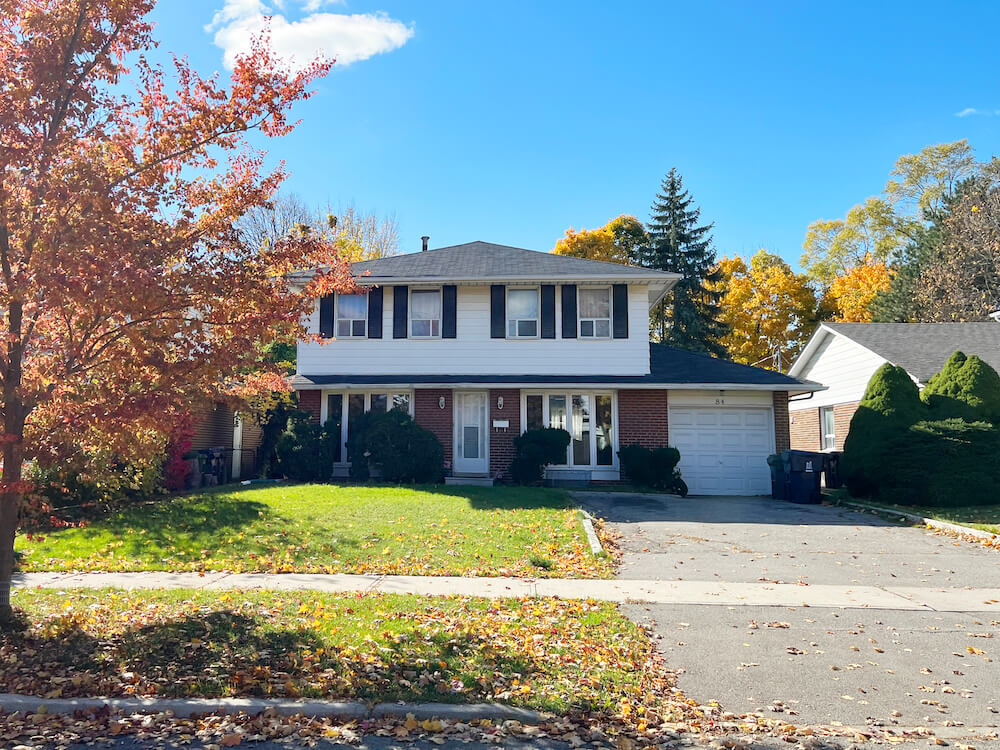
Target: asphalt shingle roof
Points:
(922, 348)
(485, 260)
(667, 366)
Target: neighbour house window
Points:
(827, 426)
(588, 417)
(595, 312)
(352, 315)
(345, 409)
(425, 313)
(522, 313)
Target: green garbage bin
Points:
(805, 468)
(778, 478)
(831, 470)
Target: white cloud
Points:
(348, 38)
(968, 111)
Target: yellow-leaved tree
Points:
(769, 309)
(618, 241)
(850, 295)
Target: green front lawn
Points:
(985, 517)
(332, 529)
(547, 654)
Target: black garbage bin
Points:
(804, 469)
(831, 470)
(778, 477)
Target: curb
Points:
(592, 538)
(185, 708)
(932, 522)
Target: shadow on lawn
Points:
(510, 497)
(226, 653)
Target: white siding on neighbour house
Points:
(844, 367)
(473, 352)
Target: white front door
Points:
(723, 449)
(471, 451)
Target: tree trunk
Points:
(12, 455)
(10, 506)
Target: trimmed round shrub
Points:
(402, 451)
(966, 388)
(536, 449)
(304, 452)
(656, 468)
(942, 463)
(891, 404)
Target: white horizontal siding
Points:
(473, 352)
(844, 367)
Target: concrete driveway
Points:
(815, 665)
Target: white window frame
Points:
(368, 393)
(580, 319)
(439, 319)
(568, 395)
(828, 440)
(537, 319)
(336, 318)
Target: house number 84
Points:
(720, 402)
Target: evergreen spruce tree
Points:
(689, 318)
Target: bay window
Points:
(343, 411)
(587, 416)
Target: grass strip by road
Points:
(544, 654)
(325, 528)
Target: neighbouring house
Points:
(844, 356)
(479, 342)
(231, 441)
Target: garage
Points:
(724, 447)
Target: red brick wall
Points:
(310, 401)
(805, 427)
(842, 415)
(642, 418)
(501, 440)
(428, 414)
(782, 439)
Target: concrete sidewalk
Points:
(625, 591)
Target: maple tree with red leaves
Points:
(124, 289)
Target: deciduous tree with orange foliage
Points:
(124, 288)
(851, 294)
(768, 309)
(615, 242)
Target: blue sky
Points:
(509, 122)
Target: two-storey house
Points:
(480, 342)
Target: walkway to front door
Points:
(472, 454)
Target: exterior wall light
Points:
(440, 402)
(499, 403)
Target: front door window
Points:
(471, 455)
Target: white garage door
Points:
(723, 450)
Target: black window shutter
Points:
(619, 311)
(399, 302)
(449, 311)
(498, 312)
(326, 316)
(548, 311)
(569, 311)
(375, 312)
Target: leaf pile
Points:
(475, 531)
(546, 654)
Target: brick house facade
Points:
(805, 426)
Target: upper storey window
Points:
(425, 313)
(522, 313)
(352, 315)
(595, 312)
